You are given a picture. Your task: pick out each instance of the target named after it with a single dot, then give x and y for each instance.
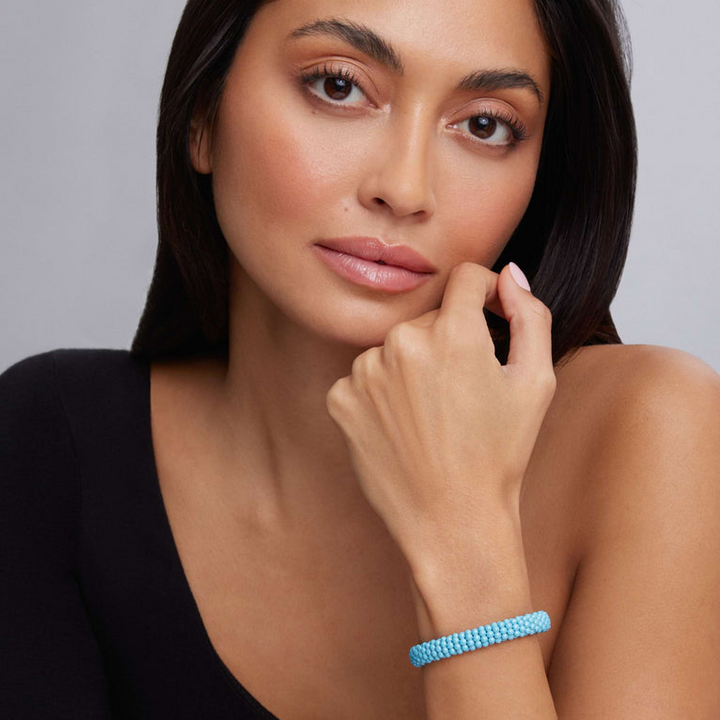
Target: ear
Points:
(200, 146)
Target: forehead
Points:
(454, 36)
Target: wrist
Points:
(488, 551)
(472, 580)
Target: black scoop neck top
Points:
(97, 619)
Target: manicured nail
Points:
(519, 276)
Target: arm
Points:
(440, 435)
(50, 664)
(464, 591)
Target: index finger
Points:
(470, 288)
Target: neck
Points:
(273, 411)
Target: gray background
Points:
(80, 86)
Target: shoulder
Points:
(59, 412)
(637, 368)
(645, 424)
(639, 403)
(34, 380)
(44, 365)
(38, 466)
(624, 390)
(42, 396)
(641, 426)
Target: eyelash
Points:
(517, 128)
(307, 79)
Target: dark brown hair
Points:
(572, 240)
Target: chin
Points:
(359, 335)
(359, 329)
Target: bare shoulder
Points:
(636, 416)
(618, 377)
(643, 423)
(631, 391)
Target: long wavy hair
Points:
(572, 241)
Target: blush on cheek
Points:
(275, 174)
(299, 174)
(260, 166)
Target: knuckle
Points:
(339, 389)
(403, 340)
(541, 311)
(535, 312)
(396, 335)
(358, 365)
(547, 314)
(336, 397)
(411, 353)
(365, 365)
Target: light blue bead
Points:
(482, 636)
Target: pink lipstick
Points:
(371, 263)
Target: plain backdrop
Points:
(80, 88)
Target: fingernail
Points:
(519, 276)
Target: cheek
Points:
(274, 177)
(259, 174)
(269, 175)
(484, 206)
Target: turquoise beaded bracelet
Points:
(482, 636)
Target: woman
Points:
(320, 450)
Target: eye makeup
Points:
(340, 82)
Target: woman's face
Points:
(415, 123)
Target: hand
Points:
(440, 433)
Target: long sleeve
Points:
(50, 664)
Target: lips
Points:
(370, 263)
(375, 250)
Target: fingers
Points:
(470, 287)
(530, 328)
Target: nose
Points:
(399, 178)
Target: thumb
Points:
(530, 322)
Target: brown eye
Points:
(337, 88)
(491, 130)
(483, 127)
(334, 87)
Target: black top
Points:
(97, 619)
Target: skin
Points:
(363, 457)
(324, 185)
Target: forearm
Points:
(476, 584)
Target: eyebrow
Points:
(369, 43)
(359, 36)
